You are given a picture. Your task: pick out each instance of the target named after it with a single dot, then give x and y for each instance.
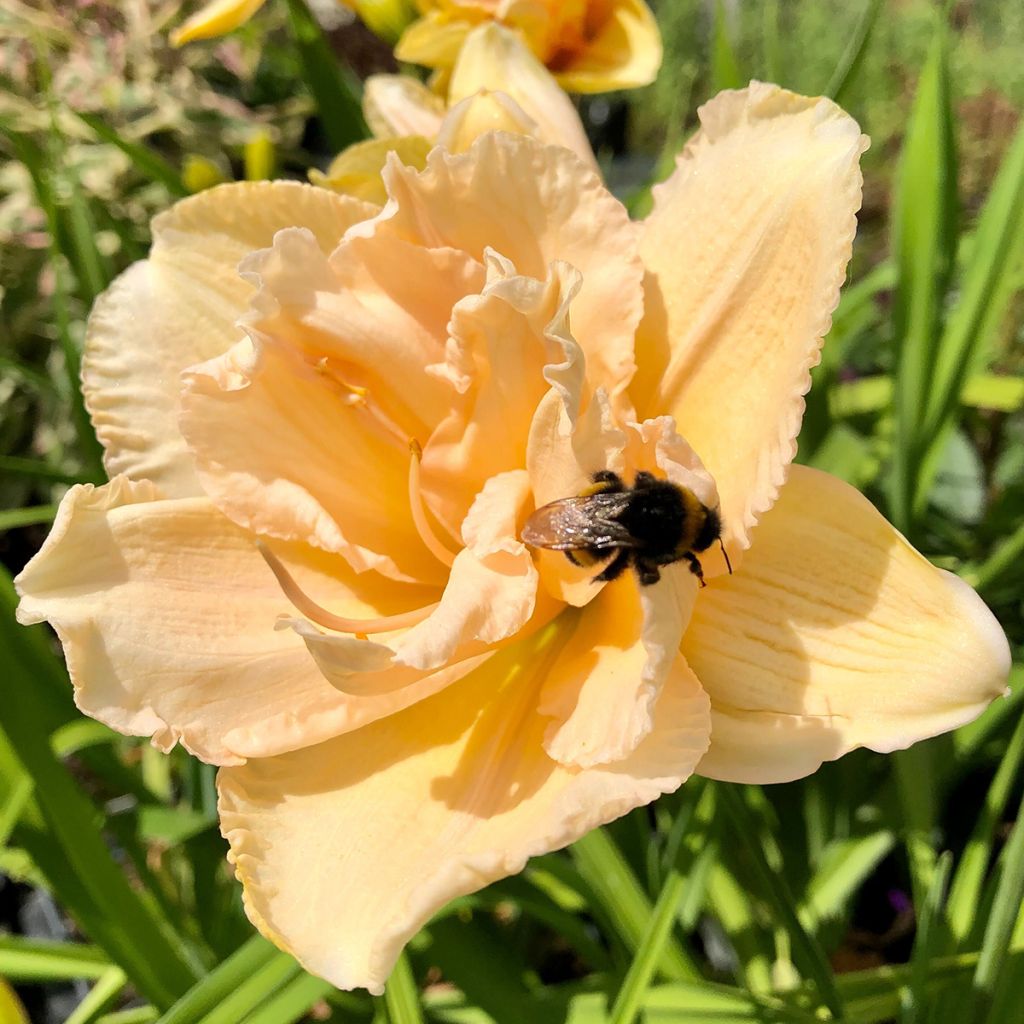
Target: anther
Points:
(419, 513)
(320, 615)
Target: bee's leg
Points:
(647, 572)
(572, 558)
(605, 482)
(616, 567)
(695, 567)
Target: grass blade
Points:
(13, 518)
(606, 871)
(147, 162)
(850, 62)
(401, 995)
(810, 957)
(993, 967)
(923, 244)
(965, 893)
(218, 985)
(725, 68)
(335, 92)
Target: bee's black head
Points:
(710, 531)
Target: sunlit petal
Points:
(167, 612)
(835, 634)
(179, 307)
(346, 850)
(533, 204)
(747, 247)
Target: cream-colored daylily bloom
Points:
(328, 421)
(496, 84)
(589, 45)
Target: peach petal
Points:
(503, 343)
(491, 592)
(834, 634)
(495, 58)
(166, 612)
(747, 248)
(346, 850)
(602, 688)
(180, 307)
(281, 454)
(398, 105)
(534, 205)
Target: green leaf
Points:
(14, 518)
(990, 279)
(336, 92)
(401, 995)
(993, 971)
(653, 943)
(228, 978)
(145, 160)
(850, 63)
(845, 865)
(926, 942)
(725, 68)
(965, 893)
(97, 892)
(101, 996)
(607, 872)
(31, 961)
(924, 228)
(746, 836)
(292, 1001)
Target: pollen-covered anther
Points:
(419, 512)
(322, 617)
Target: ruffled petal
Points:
(398, 105)
(496, 58)
(602, 688)
(346, 850)
(835, 634)
(503, 344)
(623, 52)
(180, 307)
(215, 19)
(167, 616)
(747, 248)
(492, 588)
(534, 205)
(305, 434)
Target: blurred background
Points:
(881, 889)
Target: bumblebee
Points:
(651, 524)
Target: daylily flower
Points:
(386, 18)
(497, 85)
(307, 566)
(589, 45)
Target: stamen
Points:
(419, 513)
(305, 604)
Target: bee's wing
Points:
(576, 523)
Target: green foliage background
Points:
(880, 889)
